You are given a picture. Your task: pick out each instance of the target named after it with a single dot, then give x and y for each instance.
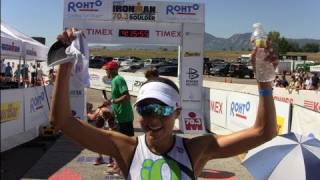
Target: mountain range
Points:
(241, 42)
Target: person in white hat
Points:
(158, 153)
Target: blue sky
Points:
(292, 18)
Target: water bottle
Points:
(265, 71)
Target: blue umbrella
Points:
(286, 157)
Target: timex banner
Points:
(123, 33)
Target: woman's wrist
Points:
(265, 85)
(265, 89)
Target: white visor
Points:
(160, 91)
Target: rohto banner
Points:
(134, 11)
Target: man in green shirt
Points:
(120, 99)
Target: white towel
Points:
(80, 52)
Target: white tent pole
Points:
(24, 66)
(19, 69)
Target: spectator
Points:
(307, 83)
(39, 76)
(3, 68)
(98, 118)
(8, 71)
(121, 104)
(277, 81)
(120, 99)
(294, 84)
(151, 73)
(104, 94)
(33, 75)
(25, 74)
(284, 82)
(314, 82)
(52, 76)
(17, 74)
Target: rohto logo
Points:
(182, 9)
(240, 109)
(84, 6)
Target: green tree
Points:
(284, 46)
(274, 36)
(311, 47)
(294, 47)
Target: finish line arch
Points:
(151, 23)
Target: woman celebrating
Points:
(158, 153)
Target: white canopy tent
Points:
(24, 109)
(15, 44)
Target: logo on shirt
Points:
(153, 169)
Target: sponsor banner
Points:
(305, 121)
(283, 115)
(241, 111)
(193, 37)
(95, 31)
(11, 112)
(218, 107)
(192, 121)
(99, 80)
(34, 51)
(137, 84)
(10, 47)
(312, 104)
(49, 89)
(181, 12)
(134, 11)
(305, 98)
(191, 68)
(36, 107)
(128, 33)
(88, 9)
(191, 83)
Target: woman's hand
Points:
(270, 55)
(67, 36)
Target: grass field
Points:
(144, 54)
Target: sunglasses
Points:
(154, 110)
